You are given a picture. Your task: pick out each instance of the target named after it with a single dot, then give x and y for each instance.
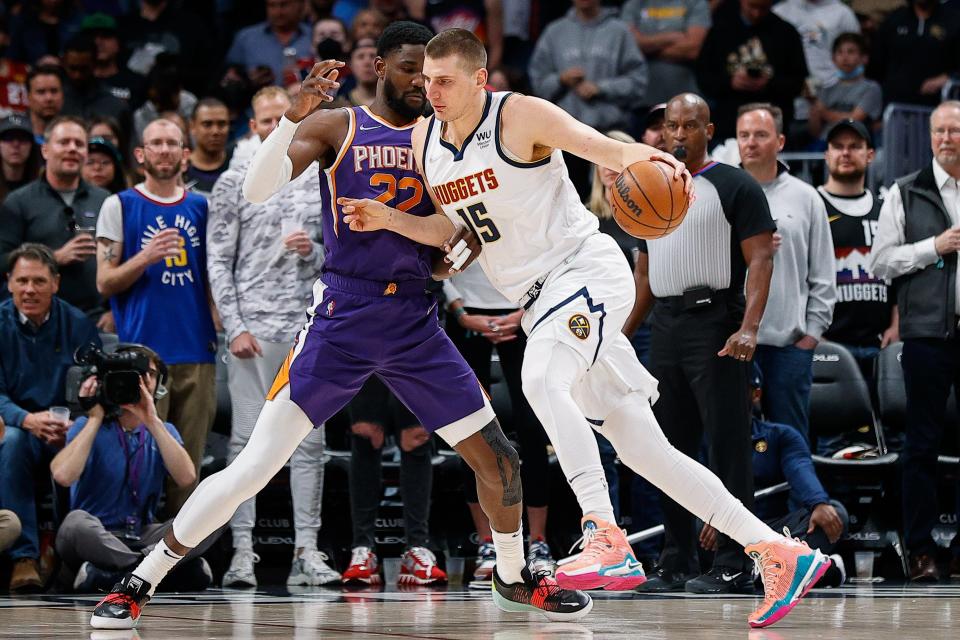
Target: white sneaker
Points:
(310, 569)
(539, 557)
(240, 574)
(483, 572)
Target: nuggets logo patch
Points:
(760, 446)
(579, 326)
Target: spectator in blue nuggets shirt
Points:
(115, 464)
(780, 453)
(39, 334)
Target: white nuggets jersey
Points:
(527, 214)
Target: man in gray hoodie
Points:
(588, 64)
(803, 289)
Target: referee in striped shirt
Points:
(704, 333)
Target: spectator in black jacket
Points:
(915, 50)
(750, 55)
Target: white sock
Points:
(157, 565)
(590, 486)
(510, 558)
(641, 445)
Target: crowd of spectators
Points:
(125, 129)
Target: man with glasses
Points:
(60, 211)
(916, 246)
(115, 465)
(153, 265)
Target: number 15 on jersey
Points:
(476, 218)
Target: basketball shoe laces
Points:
(594, 541)
(421, 557)
(546, 586)
(771, 569)
(360, 556)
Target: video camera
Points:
(117, 373)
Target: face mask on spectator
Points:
(850, 75)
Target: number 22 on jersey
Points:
(406, 184)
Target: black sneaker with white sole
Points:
(540, 593)
(722, 580)
(120, 609)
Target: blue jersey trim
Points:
(594, 308)
(458, 153)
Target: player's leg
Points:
(435, 383)
(551, 369)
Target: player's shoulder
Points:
(329, 125)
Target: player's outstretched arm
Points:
(302, 136)
(371, 215)
(532, 125)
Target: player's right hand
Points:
(318, 87)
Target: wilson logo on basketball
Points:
(579, 326)
(624, 192)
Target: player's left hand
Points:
(300, 242)
(365, 214)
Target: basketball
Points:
(647, 202)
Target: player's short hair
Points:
(400, 33)
(207, 102)
(269, 93)
(850, 37)
(35, 252)
(458, 42)
(59, 120)
(775, 112)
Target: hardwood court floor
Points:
(848, 613)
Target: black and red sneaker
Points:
(540, 593)
(120, 609)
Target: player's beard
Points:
(150, 169)
(400, 106)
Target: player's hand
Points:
(318, 87)
(679, 169)
(365, 214)
(245, 346)
(300, 242)
(708, 537)
(947, 242)
(572, 76)
(77, 249)
(165, 244)
(740, 346)
(826, 517)
(462, 248)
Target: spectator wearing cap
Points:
(780, 454)
(853, 96)
(83, 94)
(670, 33)
(44, 98)
(653, 127)
(261, 49)
(916, 246)
(113, 76)
(39, 333)
(864, 318)
(19, 154)
(60, 211)
(104, 167)
(803, 288)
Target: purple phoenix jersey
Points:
(376, 162)
(371, 313)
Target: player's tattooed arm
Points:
(508, 463)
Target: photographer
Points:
(115, 463)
